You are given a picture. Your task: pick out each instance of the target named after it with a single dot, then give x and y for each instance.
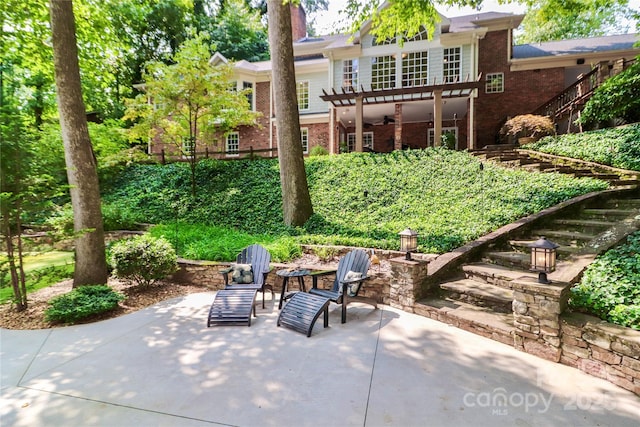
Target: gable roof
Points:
(576, 46)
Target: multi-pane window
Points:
(415, 69)
(445, 130)
(350, 73)
(304, 136)
(494, 83)
(451, 65)
(423, 34)
(232, 144)
(188, 146)
(249, 87)
(303, 95)
(367, 141)
(383, 72)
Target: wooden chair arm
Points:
(225, 274)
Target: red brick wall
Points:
(298, 22)
(523, 90)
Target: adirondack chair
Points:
(258, 258)
(351, 273)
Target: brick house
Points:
(356, 93)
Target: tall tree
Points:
(240, 34)
(192, 102)
(296, 201)
(549, 20)
(91, 264)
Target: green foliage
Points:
(36, 279)
(610, 287)
(240, 34)
(619, 147)
(617, 98)
(81, 303)
(222, 244)
(441, 193)
(318, 150)
(143, 259)
(550, 20)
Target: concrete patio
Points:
(163, 367)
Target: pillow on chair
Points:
(353, 288)
(242, 274)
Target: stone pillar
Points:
(536, 313)
(405, 286)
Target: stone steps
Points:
(480, 294)
(478, 320)
(512, 259)
(566, 237)
(606, 213)
(495, 274)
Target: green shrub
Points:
(318, 150)
(143, 259)
(82, 302)
(610, 287)
(617, 98)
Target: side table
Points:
(286, 274)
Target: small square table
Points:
(286, 274)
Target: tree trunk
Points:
(296, 202)
(91, 264)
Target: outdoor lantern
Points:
(408, 241)
(543, 258)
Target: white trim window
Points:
(367, 141)
(350, 73)
(245, 86)
(415, 69)
(232, 144)
(451, 65)
(432, 135)
(383, 72)
(304, 137)
(302, 89)
(494, 83)
(188, 146)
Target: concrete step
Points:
(519, 260)
(623, 204)
(624, 182)
(495, 274)
(478, 320)
(588, 226)
(564, 236)
(480, 294)
(605, 213)
(523, 246)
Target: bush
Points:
(528, 125)
(318, 150)
(610, 287)
(81, 303)
(143, 259)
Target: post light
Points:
(543, 258)
(408, 241)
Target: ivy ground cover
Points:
(617, 147)
(359, 199)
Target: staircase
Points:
(510, 155)
(478, 295)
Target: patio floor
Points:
(163, 367)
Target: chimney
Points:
(298, 22)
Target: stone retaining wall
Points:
(602, 349)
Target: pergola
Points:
(358, 98)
